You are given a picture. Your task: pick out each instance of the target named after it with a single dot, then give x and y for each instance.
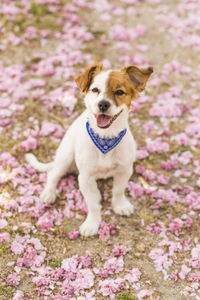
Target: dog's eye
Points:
(119, 92)
(95, 90)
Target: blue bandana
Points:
(104, 144)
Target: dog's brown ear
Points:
(139, 77)
(85, 79)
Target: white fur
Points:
(76, 148)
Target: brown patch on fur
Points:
(131, 80)
(139, 77)
(120, 81)
(85, 79)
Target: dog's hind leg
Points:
(61, 165)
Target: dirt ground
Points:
(24, 106)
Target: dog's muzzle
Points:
(104, 121)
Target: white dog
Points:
(99, 143)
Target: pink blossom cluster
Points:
(175, 226)
(183, 25)
(110, 287)
(157, 146)
(192, 200)
(144, 294)
(120, 250)
(49, 128)
(33, 255)
(30, 144)
(119, 33)
(13, 279)
(137, 59)
(167, 105)
(74, 234)
(135, 189)
(161, 259)
(195, 260)
(106, 230)
(19, 295)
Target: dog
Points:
(99, 143)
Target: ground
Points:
(153, 254)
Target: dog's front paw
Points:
(123, 207)
(48, 196)
(89, 228)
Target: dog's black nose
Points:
(103, 105)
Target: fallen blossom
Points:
(4, 237)
(120, 250)
(109, 287)
(19, 295)
(184, 271)
(3, 223)
(144, 294)
(133, 275)
(74, 234)
(105, 230)
(30, 144)
(175, 226)
(13, 279)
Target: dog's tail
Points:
(32, 160)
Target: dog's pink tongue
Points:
(103, 120)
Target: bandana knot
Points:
(104, 144)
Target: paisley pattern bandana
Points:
(104, 144)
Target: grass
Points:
(3, 247)
(39, 10)
(6, 292)
(56, 263)
(183, 149)
(125, 296)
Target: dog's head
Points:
(109, 93)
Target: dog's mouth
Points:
(104, 121)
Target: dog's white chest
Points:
(105, 166)
(89, 159)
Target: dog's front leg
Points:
(89, 189)
(120, 203)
